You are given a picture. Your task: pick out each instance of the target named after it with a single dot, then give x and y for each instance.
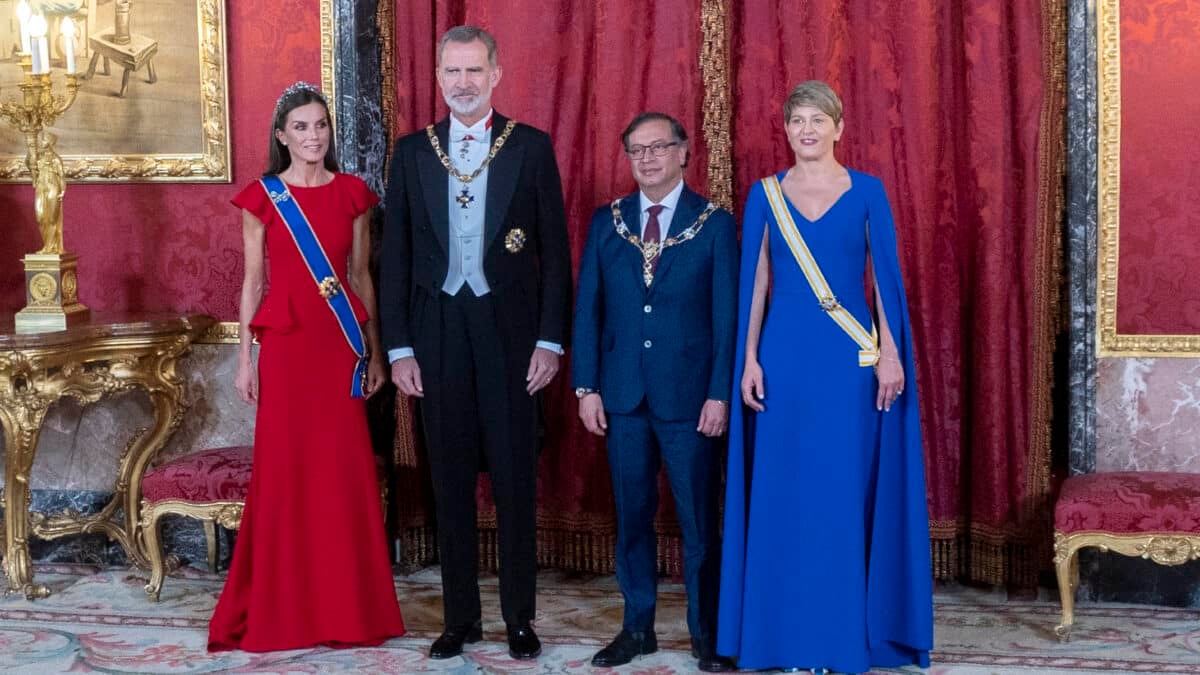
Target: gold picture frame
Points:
(226, 332)
(195, 153)
(1108, 184)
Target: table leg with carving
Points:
(22, 425)
(155, 374)
(169, 407)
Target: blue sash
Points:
(322, 272)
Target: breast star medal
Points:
(514, 241)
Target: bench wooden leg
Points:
(1066, 568)
(153, 552)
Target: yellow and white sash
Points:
(868, 343)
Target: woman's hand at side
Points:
(246, 381)
(376, 375)
(753, 391)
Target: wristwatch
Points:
(580, 392)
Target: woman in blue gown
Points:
(826, 555)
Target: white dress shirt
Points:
(668, 203)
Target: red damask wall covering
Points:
(176, 246)
(1158, 291)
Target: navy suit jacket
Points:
(671, 343)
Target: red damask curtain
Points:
(958, 106)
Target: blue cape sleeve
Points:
(899, 571)
(741, 423)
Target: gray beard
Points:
(461, 106)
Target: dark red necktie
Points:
(652, 234)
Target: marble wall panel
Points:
(1081, 234)
(1148, 415)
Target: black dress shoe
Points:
(624, 647)
(709, 661)
(523, 643)
(450, 643)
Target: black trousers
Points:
(476, 408)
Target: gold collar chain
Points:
(651, 250)
(462, 177)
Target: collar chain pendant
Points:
(449, 166)
(652, 249)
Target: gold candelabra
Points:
(51, 282)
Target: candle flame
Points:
(37, 26)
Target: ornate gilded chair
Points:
(1152, 515)
(210, 485)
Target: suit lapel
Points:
(687, 209)
(435, 184)
(503, 173)
(632, 214)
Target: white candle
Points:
(44, 52)
(35, 58)
(37, 40)
(23, 14)
(68, 38)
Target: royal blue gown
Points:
(826, 553)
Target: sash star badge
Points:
(514, 241)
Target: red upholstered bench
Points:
(1153, 515)
(210, 485)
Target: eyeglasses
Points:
(636, 152)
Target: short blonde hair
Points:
(816, 94)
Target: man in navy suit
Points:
(654, 340)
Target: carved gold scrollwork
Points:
(1162, 548)
(1171, 550)
(227, 514)
(97, 364)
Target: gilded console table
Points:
(111, 353)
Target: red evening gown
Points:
(311, 563)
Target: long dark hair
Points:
(297, 95)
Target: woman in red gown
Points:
(311, 563)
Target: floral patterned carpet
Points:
(99, 620)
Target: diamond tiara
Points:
(297, 88)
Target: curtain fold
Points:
(959, 108)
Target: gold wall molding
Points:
(328, 49)
(210, 164)
(1108, 184)
(718, 112)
